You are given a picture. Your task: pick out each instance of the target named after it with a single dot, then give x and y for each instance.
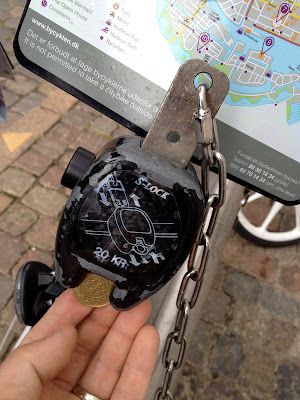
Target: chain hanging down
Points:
(207, 137)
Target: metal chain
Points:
(207, 136)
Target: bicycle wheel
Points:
(268, 223)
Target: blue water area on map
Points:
(284, 95)
(237, 88)
(161, 5)
(295, 114)
(178, 51)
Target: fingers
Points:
(28, 368)
(139, 366)
(65, 310)
(104, 370)
(92, 325)
(91, 332)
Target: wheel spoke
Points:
(276, 207)
(254, 197)
(297, 214)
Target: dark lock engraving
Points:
(139, 223)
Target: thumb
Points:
(29, 367)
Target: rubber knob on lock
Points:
(78, 166)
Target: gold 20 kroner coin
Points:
(94, 291)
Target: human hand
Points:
(62, 349)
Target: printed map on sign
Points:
(257, 44)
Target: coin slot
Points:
(173, 137)
(203, 78)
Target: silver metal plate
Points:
(175, 118)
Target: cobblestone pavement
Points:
(248, 342)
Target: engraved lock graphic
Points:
(132, 232)
(138, 238)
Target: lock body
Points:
(132, 218)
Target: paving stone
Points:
(20, 2)
(288, 382)
(33, 255)
(13, 60)
(25, 72)
(7, 315)
(4, 15)
(17, 11)
(46, 88)
(28, 103)
(13, 251)
(235, 251)
(290, 279)
(10, 98)
(241, 286)
(294, 350)
(34, 162)
(104, 126)
(261, 266)
(12, 119)
(15, 181)
(279, 336)
(188, 384)
(258, 371)
(227, 357)
(248, 322)
(89, 141)
(216, 307)
(8, 45)
(37, 122)
(262, 329)
(57, 140)
(5, 6)
(122, 131)
(43, 234)
(64, 133)
(201, 346)
(84, 107)
(21, 86)
(5, 32)
(279, 302)
(60, 102)
(17, 219)
(4, 202)
(65, 159)
(12, 22)
(52, 177)
(79, 118)
(218, 390)
(49, 147)
(285, 255)
(45, 201)
(6, 289)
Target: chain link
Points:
(193, 278)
